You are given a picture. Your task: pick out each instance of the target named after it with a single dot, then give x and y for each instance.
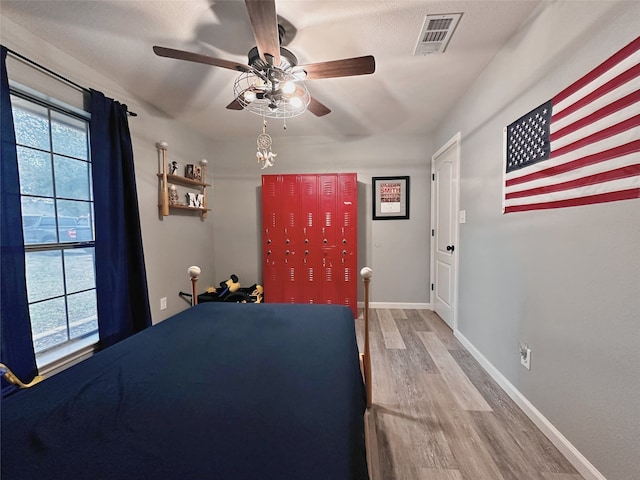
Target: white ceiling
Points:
(407, 95)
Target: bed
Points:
(219, 391)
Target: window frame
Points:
(71, 349)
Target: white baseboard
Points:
(408, 306)
(571, 453)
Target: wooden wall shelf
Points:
(165, 179)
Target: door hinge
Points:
(433, 177)
(432, 287)
(433, 232)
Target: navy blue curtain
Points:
(121, 279)
(16, 341)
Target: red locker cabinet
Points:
(310, 237)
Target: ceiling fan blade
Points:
(317, 108)
(200, 58)
(235, 105)
(340, 68)
(264, 22)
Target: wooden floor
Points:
(437, 415)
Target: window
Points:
(57, 219)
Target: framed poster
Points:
(390, 198)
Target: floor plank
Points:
(434, 474)
(445, 334)
(392, 337)
(463, 390)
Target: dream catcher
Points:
(264, 154)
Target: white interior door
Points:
(445, 231)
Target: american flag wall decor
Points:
(581, 147)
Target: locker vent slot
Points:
(291, 190)
(310, 219)
(292, 274)
(272, 219)
(347, 188)
(291, 219)
(327, 219)
(310, 274)
(308, 189)
(347, 274)
(328, 275)
(347, 219)
(271, 190)
(327, 189)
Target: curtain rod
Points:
(57, 75)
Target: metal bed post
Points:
(366, 273)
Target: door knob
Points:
(450, 248)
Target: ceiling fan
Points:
(272, 84)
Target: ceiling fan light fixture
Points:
(300, 74)
(295, 102)
(274, 97)
(288, 87)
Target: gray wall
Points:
(567, 282)
(398, 250)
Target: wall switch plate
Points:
(163, 303)
(525, 357)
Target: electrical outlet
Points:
(163, 303)
(525, 356)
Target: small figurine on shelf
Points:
(188, 171)
(173, 195)
(173, 168)
(195, 200)
(197, 172)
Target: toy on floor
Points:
(220, 294)
(230, 290)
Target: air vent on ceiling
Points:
(436, 33)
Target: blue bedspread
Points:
(220, 391)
